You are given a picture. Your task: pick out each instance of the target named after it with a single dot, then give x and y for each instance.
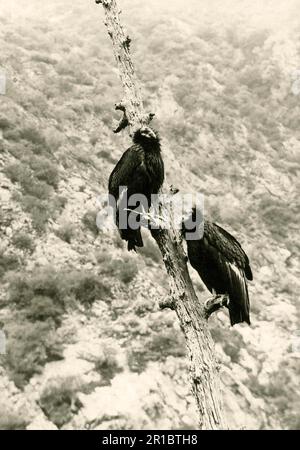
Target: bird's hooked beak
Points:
(188, 214)
(148, 133)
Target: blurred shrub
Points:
(165, 343)
(7, 262)
(66, 232)
(117, 241)
(30, 185)
(47, 293)
(36, 141)
(276, 215)
(36, 188)
(94, 137)
(33, 134)
(65, 86)
(32, 170)
(54, 138)
(232, 349)
(37, 105)
(17, 172)
(108, 365)
(43, 58)
(104, 154)
(83, 157)
(45, 283)
(157, 347)
(230, 340)
(39, 211)
(43, 308)
(89, 221)
(59, 400)
(59, 202)
(12, 134)
(4, 123)
(11, 419)
(17, 149)
(23, 241)
(124, 269)
(88, 287)
(144, 306)
(44, 170)
(28, 349)
(281, 391)
(84, 78)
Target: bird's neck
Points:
(151, 146)
(191, 226)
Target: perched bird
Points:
(141, 171)
(222, 265)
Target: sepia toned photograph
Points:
(149, 217)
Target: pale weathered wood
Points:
(131, 104)
(190, 312)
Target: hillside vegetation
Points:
(87, 346)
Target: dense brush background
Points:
(87, 346)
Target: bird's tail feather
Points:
(239, 306)
(135, 240)
(238, 315)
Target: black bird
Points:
(141, 171)
(222, 265)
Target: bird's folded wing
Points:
(228, 246)
(125, 169)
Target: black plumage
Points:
(141, 171)
(222, 265)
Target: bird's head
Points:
(146, 136)
(193, 223)
(188, 217)
(148, 133)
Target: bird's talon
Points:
(215, 303)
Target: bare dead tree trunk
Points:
(190, 312)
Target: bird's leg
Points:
(215, 303)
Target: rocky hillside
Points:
(87, 346)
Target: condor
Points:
(140, 171)
(223, 267)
